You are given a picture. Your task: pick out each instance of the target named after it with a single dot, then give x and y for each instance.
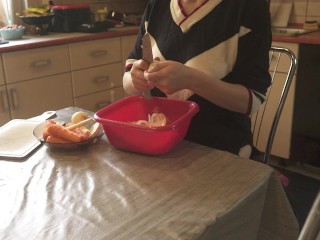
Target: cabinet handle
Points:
(101, 79)
(41, 63)
(14, 98)
(5, 103)
(99, 53)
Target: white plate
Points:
(38, 134)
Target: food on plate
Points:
(94, 130)
(53, 139)
(72, 132)
(46, 124)
(62, 132)
(78, 117)
(72, 126)
(154, 120)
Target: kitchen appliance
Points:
(68, 18)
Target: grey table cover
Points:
(192, 192)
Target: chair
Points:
(311, 227)
(282, 68)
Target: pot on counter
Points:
(67, 18)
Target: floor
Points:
(304, 185)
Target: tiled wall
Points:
(303, 10)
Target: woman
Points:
(212, 52)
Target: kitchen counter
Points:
(310, 38)
(51, 39)
(31, 41)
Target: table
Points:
(193, 192)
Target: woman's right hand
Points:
(137, 76)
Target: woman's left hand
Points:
(169, 76)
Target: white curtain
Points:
(4, 18)
(9, 10)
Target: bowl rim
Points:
(194, 108)
(13, 29)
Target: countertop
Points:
(193, 192)
(32, 41)
(309, 38)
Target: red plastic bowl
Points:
(117, 119)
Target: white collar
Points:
(186, 22)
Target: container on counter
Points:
(68, 18)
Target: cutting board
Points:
(17, 140)
(280, 13)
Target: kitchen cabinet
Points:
(4, 105)
(37, 80)
(94, 53)
(282, 140)
(93, 88)
(86, 74)
(35, 63)
(127, 44)
(2, 81)
(97, 68)
(32, 97)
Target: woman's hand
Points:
(137, 75)
(171, 77)
(168, 76)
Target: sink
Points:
(292, 32)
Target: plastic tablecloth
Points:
(192, 192)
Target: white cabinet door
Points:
(2, 81)
(35, 63)
(4, 106)
(31, 98)
(127, 44)
(96, 101)
(96, 79)
(94, 53)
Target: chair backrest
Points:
(311, 227)
(265, 121)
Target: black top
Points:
(226, 39)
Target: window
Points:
(8, 10)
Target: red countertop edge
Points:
(67, 38)
(310, 38)
(37, 42)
